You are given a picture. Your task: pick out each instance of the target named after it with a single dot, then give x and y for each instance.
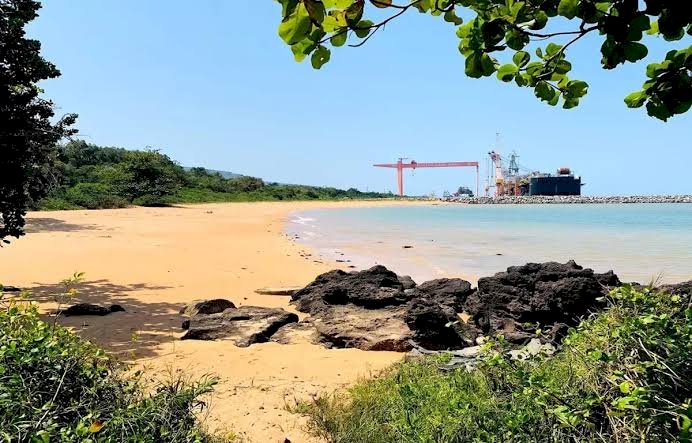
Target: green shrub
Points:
(56, 203)
(94, 196)
(55, 386)
(623, 375)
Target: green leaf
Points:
(339, 39)
(563, 67)
(479, 65)
(577, 88)
(520, 80)
(296, 27)
(540, 19)
(315, 10)
(473, 66)
(552, 49)
(451, 17)
(287, 7)
(488, 65)
(641, 23)
(320, 57)
(302, 49)
(635, 51)
(521, 58)
(355, 12)
(381, 3)
(636, 99)
(363, 28)
(544, 91)
(568, 8)
(516, 39)
(507, 72)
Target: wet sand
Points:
(154, 260)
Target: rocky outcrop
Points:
(449, 292)
(546, 294)
(213, 306)
(350, 326)
(377, 310)
(684, 288)
(243, 326)
(91, 309)
(438, 326)
(374, 288)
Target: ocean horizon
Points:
(640, 242)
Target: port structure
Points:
(517, 180)
(400, 165)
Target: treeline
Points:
(94, 177)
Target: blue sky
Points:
(211, 84)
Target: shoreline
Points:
(152, 261)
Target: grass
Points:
(623, 375)
(56, 387)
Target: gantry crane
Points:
(400, 166)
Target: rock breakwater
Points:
(569, 199)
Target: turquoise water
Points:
(639, 242)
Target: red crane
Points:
(400, 166)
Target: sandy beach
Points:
(152, 261)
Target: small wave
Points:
(303, 220)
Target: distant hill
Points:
(224, 174)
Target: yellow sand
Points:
(154, 260)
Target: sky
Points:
(211, 84)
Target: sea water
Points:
(640, 242)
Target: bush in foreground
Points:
(623, 375)
(55, 386)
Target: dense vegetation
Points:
(28, 131)
(55, 387)
(506, 38)
(623, 375)
(94, 177)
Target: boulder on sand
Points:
(374, 288)
(91, 309)
(213, 306)
(536, 293)
(244, 326)
(350, 326)
(364, 310)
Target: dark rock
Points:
(407, 282)
(684, 288)
(451, 292)
(213, 306)
(543, 293)
(407, 246)
(608, 279)
(374, 288)
(244, 326)
(437, 326)
(186, 324)
(10, 289)
(90, 309)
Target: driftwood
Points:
(279, 291)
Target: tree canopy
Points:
(525, 42)
(28, 136)
(95, 177)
